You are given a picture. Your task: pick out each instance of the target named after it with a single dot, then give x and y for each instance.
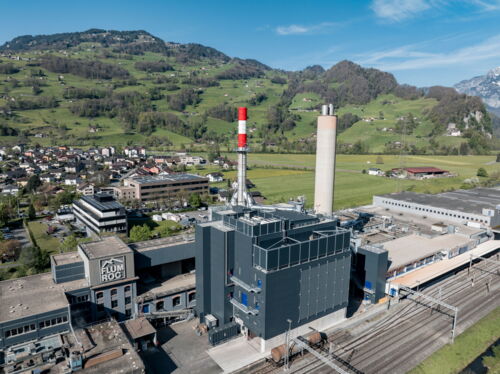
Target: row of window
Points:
(32, 327)
(114, 292)
(403, 205)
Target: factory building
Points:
(478, 206)
(261, 268)
(157, 187)
(100, 213)
(102, 279)
(270, 269)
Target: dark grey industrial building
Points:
(260, 268)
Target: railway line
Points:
(413, 330)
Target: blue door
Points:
(244, 299)
(145, 308)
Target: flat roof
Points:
(105, 337)
(30, 295)
(167, 178)
(162, 242)
(431, 271)
(67, 258)
(102, 205)
(139, 328)
(469, 201)
(413, 247)
(107, 246)
(179, 283)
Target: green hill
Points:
(120, 88)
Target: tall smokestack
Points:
(326, 138)
(242, 155)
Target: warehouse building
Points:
(99, 214)
(478, 206)
(257, 269)
(157, 187)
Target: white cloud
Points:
(410, 58)
(398, 10)
(301, 29)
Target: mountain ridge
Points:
(134, 84)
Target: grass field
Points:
(45, 241)
(289, 176)
(469, 345)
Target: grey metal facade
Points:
(34, 327)
(267, 267)
(374, 263)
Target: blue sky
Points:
(422, 42)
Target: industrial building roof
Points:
(162, 242)
(411, 248)
(425, 169)
(66, 258)
(467, 201)
(107, 246)
(139, 328)
(28, 296)
(167, 178)
(102, 202)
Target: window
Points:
(176, 301)
(114, 303)
(128, 300)
(192, 297)
(127, 288)
(160, 305)
(128, 312)
(99, 295)
(114, 292)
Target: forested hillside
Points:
(108, 87)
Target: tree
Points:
(195, 200)
(31, 212)
(5, 211)
(33, 183)
(69, 244)
(380, 160)
(34, 257)
(481, 172)
(140, 233)
(10, 249)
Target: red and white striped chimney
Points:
(242, 127)
(242, 155)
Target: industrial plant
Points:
(276, 279)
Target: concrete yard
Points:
(236, 354)
(181, 352)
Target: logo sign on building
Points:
(112, 269)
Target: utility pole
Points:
(287, 345)
(454, 326)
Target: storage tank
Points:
(326, 138)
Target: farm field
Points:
(280, 177)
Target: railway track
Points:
(391, 344)
(418, 328)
